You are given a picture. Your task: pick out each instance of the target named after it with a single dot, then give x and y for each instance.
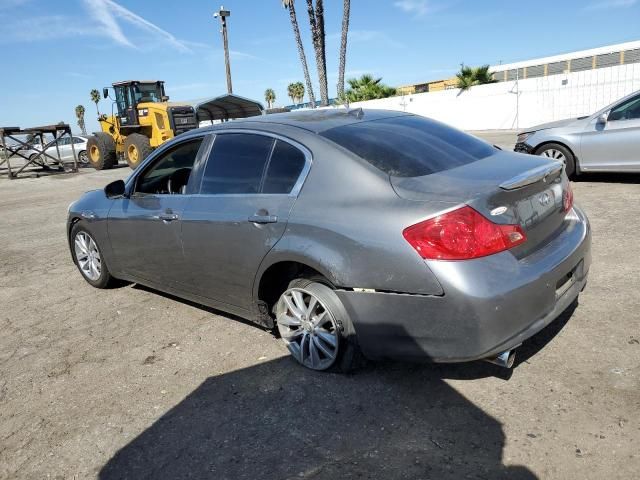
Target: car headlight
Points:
(522, 137)
(143, 112)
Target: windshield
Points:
(147, 92)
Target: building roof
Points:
(226, 107)
(566, 56)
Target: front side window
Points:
(409, 145)
(628, 110)
(170, 173)
(236, 163)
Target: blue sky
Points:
(56, 51)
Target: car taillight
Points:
(567, 198)
(460, 235)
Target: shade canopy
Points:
(227, 107)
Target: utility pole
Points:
(223, 14)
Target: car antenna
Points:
(356, 112)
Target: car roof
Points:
(316, 121)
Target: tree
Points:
(316, 22)
(269, 97)
(299, 91)
(291, 92)
(346, 7)
(367, 88)
(470, 76)
(289, 5)
(295, 91)
(80, 117)
(95, 98)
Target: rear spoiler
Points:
(532, 176)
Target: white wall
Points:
(540, 100)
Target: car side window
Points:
(77, 140)
(236, 164)
(169, 174)
(629, 110)
(284, 168)
(63, 141)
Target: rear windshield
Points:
(409, 146)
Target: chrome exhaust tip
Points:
(504, 359)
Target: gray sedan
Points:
(607, 141)
(351, 233)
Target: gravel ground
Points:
(129, 383)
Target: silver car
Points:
(607, 141)
(349, 232)
(65, 149)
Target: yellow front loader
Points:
(142, 119)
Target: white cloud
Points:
(41, 28)
(105, 20)
(107, 13)
(414, 7)
(608, 4)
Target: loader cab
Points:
(130, 93)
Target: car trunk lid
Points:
(507, 188)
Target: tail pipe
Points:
(504, 359)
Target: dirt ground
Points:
(129, 383)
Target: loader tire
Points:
(136, 149)
(101, 150)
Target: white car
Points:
(64, 147)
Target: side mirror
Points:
(602, 119)
(115, 189)
(105, 92)
(165, 98)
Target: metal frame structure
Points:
(58, 131)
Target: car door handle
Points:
(263, 219)
(166, 217)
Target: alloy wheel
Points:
(88, 256)
(308, 328)
(554, 154)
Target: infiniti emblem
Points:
(544, 199)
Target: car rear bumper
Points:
(490, 304)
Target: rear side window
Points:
(409, 146)
(236, 163)
(285, 167)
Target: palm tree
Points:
(470, 76)
(346, 7)
(299, 91)
(289, 5)
(316, 22)
(291, 92)
(95, 98)
(269, 97)
(367, 88)
(80, 117)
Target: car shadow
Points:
(607, 177)
(277, 420)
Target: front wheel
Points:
(89, 259)
(102, 151)
(316, 328)
(559, 153)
